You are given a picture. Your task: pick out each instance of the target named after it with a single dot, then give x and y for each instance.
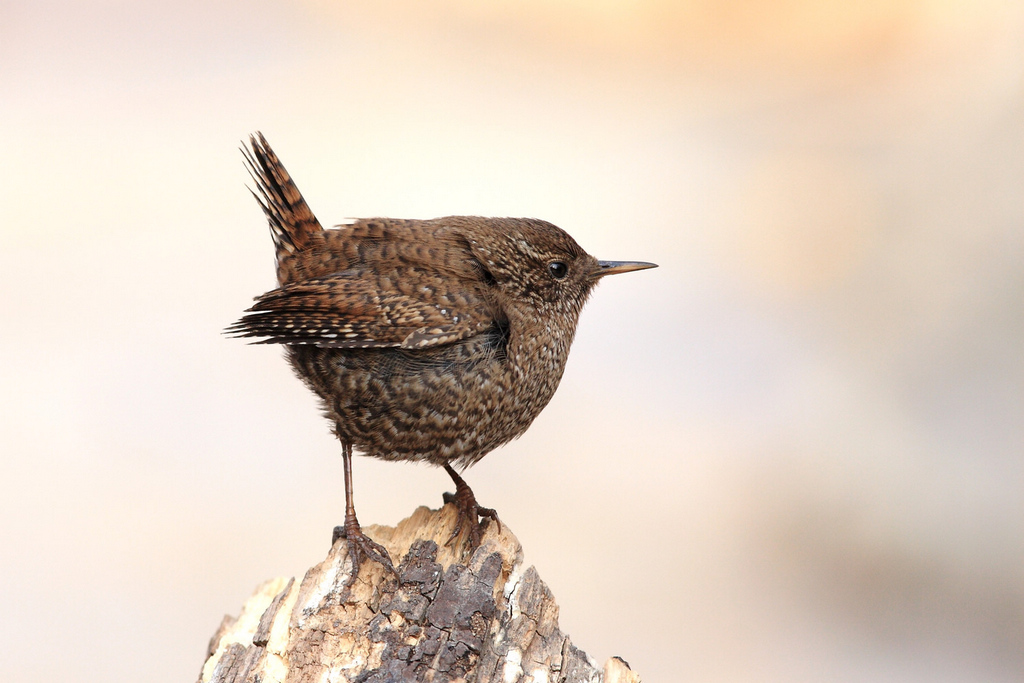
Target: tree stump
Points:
(449, 616)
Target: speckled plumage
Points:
(428, 340)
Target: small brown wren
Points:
(429, 340)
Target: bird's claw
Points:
(360, 545)
(468, 509)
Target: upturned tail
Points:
(292, 224)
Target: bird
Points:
(426, 340)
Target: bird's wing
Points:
(357, 311)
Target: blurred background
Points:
(791, 453)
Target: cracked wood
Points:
(448, 616)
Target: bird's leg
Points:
(466, 505)
(359, 544)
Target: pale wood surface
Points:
(482, 617)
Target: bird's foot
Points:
(360, 545)
(468, 511)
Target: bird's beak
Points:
(613, 267)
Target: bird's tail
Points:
(291, 222)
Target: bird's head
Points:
(534, 263)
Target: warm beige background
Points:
(792, 453)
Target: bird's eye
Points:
(558, 269)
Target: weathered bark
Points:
(448, 617)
